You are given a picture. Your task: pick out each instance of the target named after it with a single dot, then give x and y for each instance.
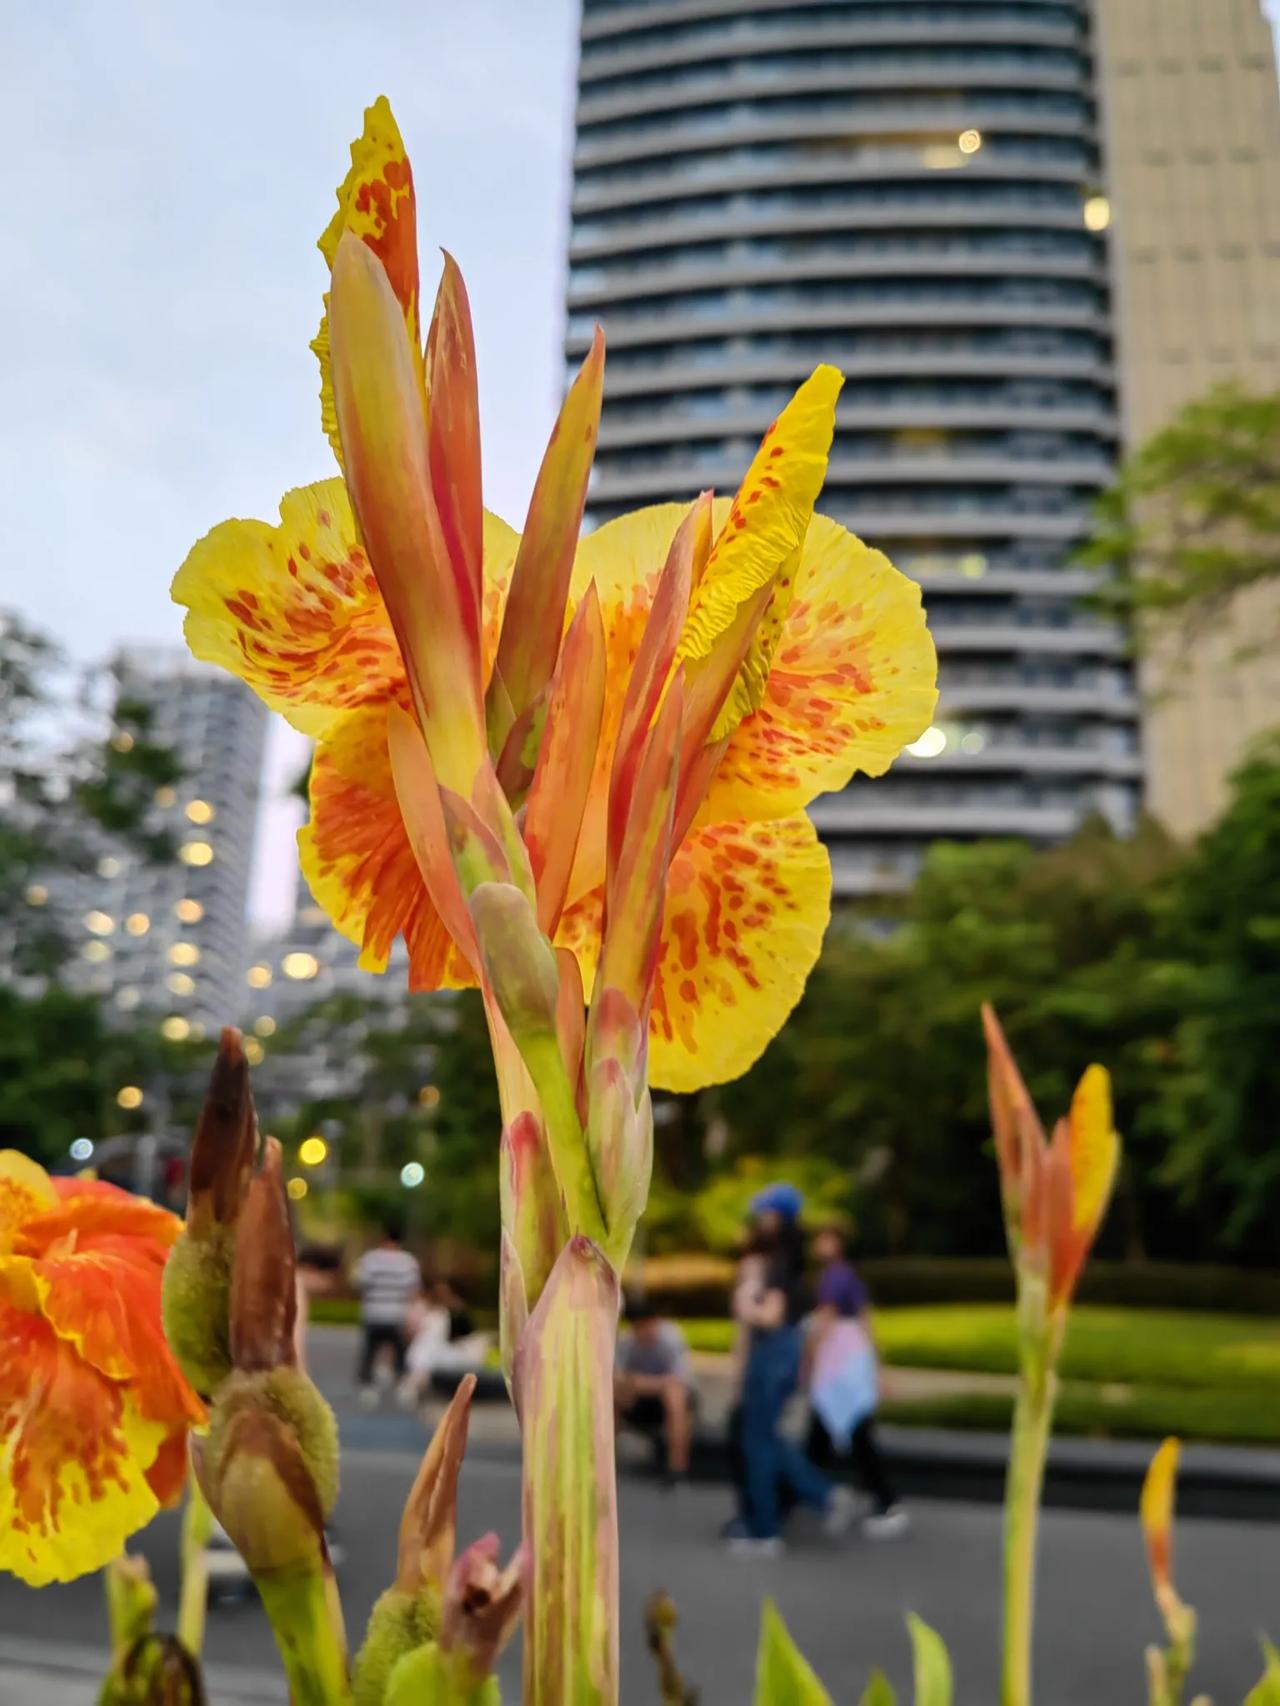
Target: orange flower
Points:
(94, 1412)
(803, 655)
(1055, 1193)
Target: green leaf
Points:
(878, 1692)
(932, 1666)
(1267, 1692)
(783, 1675)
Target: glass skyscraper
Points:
(914, 190)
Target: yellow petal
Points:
(24, 1190)
(746, 908)
(376, 203)
(1156, 1509)
(74, 1455)
(293, 610)
(1095, 1150)
(853, 679)
(763, 535)
(358, 861)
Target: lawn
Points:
(1126, 1372)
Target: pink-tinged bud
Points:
(432, 603)
(533, 1217)
(564, 1385)
(533, 622)
(481, 1605)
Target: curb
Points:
(1231, 1483)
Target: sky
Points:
(168, 170)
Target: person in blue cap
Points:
(769, 1305)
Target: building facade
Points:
(1192, 111)
(168, 938)
(915, 191)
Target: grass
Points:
(1126, 1373)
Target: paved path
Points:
(845, 1603)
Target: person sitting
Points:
(442, 1340)
(652, 1385)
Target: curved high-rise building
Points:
(914, 190)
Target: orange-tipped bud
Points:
(433, 605)
(430, 1522)
(454, 427)
(533, 622)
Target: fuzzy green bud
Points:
(196, 1302)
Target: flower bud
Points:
(197, 1276)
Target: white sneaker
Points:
(749, 1547)
(840, 1513)
(886, 1525)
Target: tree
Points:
(1222, 1093)
(1194, 516)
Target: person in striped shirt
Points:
(388, 1279)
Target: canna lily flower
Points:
(1054, 1193)
(462, 626)
(94, 1411)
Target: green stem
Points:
(1032, 1417)
(306, 1620)
(197, 1526)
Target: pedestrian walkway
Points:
(68, 1673)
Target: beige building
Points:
(1192, 112)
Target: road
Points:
(844, 1603)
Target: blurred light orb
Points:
(931, 743)
(128, 1096)
(312, 1151)
(300, 966)
(195, 853)
(258, 977)
(297, 1189)
(82, 1149)
(412, 1174)
(189, 911)
(175, 1027)
(1097, 213)
(199, 811)
(969, 141)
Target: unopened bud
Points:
(271, 1468)
(197, 1276)
(519, 962)
(620, 1142)
(481, 1606)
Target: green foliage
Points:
(1160, 962)
(783, 1675)
(1267, 1692)
(931, 1664)
(711, 1217)
(878, 1692)
(1194, 516)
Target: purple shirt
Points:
(839, 1288)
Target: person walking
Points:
(769, 1305)
(840, 1360)
(388, 1279)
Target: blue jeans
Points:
(773, 1370)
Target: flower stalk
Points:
(1054, 1195)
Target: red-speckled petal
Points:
(746, 907)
